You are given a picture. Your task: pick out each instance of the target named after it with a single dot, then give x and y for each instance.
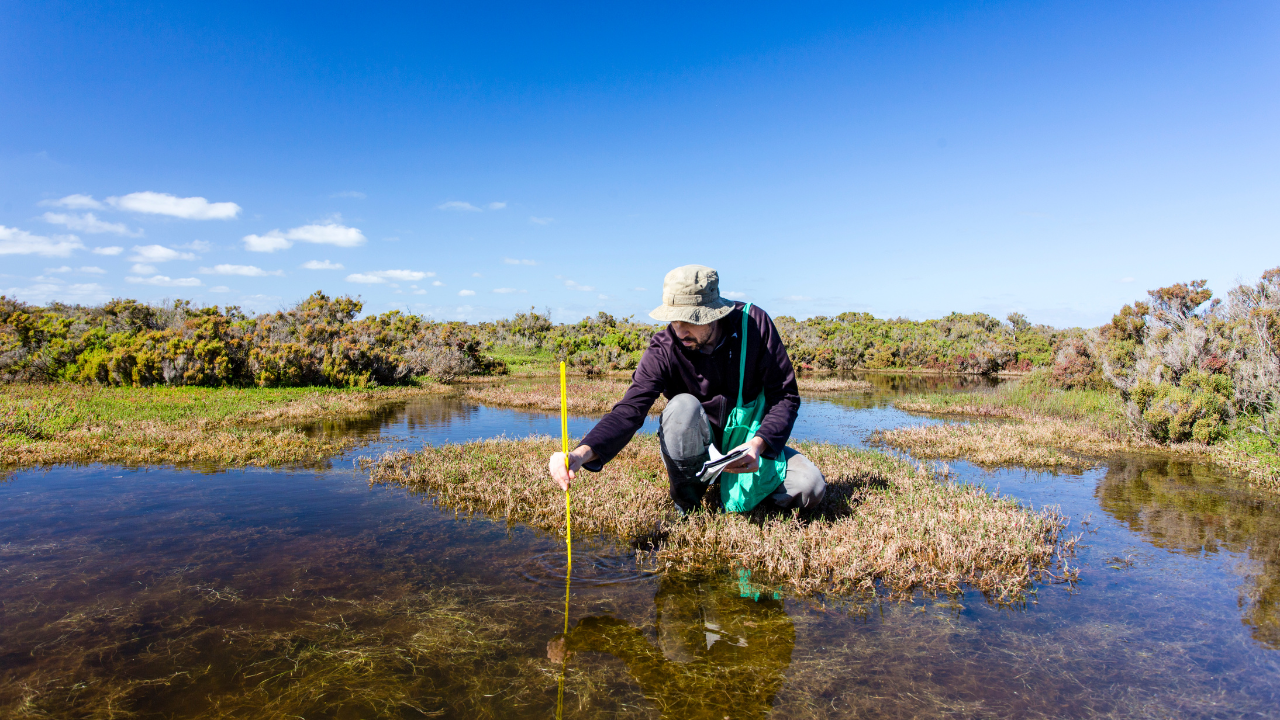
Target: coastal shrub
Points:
(1254, 313)
(1074, 367)
(1197, 408)
(319, 341)
(958, 343)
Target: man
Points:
(728, 383)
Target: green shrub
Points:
(1196, 409)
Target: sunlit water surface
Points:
(157, 592)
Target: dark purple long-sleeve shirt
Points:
(669, 368)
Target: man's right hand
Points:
(556, 465)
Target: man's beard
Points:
(694, 344)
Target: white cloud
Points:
(165, 281)
(321, 265)
(1126, 280)
(541, 220)
(733, 295)
(20, 242)
(513, 261)
(330, 233)
(602, 296)
(640, 289)
(158, 253)
(381, 276)
(219, 289)
(466, 293)
(507, 291)
(143, 269)
(575, 286)
(74, 202)
(89, 223)
(191, 208)
(93, 269)
(197, 245)
(87, 293)
(245, 270)
(64, 268)
(458, 205)
(497, 205)
(356, 194)
(406, 275)
(476, 275)
(419, 292)
(437, 283)
(108, 250)
(270, 242)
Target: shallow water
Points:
(270, 593)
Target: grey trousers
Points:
(685, 435)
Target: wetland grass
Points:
(1048, 428)
(49, 424)
(884, 524)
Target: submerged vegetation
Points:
(47, 424)
(884, 524)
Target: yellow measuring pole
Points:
(564, 442)
(568, 539)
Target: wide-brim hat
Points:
(691, 294)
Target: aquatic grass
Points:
(1027, 400)
(441, 651)
(1050, 428)
(49, 424)
(1037, 442)
(885, 524)
(828, 384)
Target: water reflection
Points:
(1189, 508)
(716, 649)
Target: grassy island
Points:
(885, 524)
(49, 424)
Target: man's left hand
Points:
(751, 461)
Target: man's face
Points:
(694, 337)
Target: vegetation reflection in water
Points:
(273, 594)
(1186, 508)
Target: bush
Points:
(1196, 409)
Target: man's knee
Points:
(684, 430)
(683, 408)
(804, 485)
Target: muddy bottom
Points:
(162, 593)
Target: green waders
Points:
(741, 492)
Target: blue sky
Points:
(468, 162)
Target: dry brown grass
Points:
(51, 424)
(883, 524)
(809, 384)
(1027, 439)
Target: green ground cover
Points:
(43, 424)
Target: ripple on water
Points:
(589, 568)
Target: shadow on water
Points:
(166, 593)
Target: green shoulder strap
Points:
(742, 361)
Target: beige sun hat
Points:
(691, 293)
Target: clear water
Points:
(283, 593)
